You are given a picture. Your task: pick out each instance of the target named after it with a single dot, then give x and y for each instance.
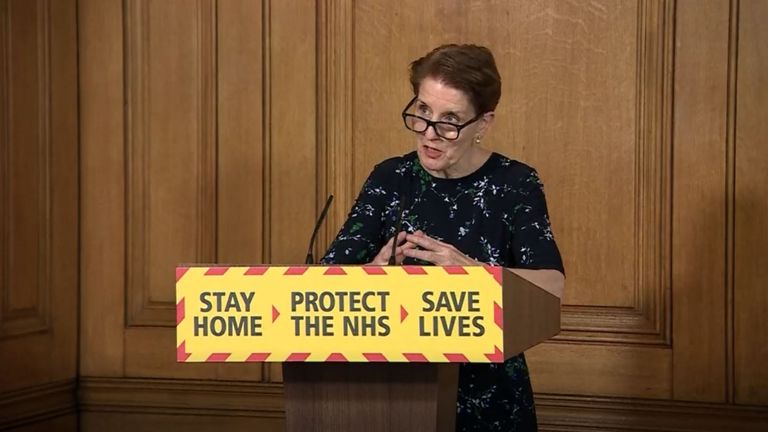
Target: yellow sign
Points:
(339, 313)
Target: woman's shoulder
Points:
(513, 170)
(393, 167)
(396, 162)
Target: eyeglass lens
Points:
(418, 124)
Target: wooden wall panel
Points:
(698, 291)
(59, 349)
(38, 184)
(578, 369)
(67, 423)
(240, 107)
(557, 115)
(47, 406)
(292, 138)
(167, 404)
(183, 163)
(335, 141)
(170, 150)
(241, 188)
(149, 422)
(751, 206)
(172, 70)
(102, 187)
(292, 201)
(575, 413)
(621, 134)
(38, 210)
(25, 271)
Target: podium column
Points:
(370, 397)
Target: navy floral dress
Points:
(496, 215)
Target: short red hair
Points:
(469, 68)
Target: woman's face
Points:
(444, 158)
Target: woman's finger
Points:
(424, 241)
(383, 255)
(424, 255)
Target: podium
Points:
(398, 370)
(370, 396)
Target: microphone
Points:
(310, 257)
(398, 228)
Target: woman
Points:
(459, 204)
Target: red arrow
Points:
(403, 313)
(275, 313)
(497, 356)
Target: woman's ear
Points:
(486, 122)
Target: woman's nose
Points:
(430, 133)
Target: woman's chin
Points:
(433, 165)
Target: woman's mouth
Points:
(432, 152)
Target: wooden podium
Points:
(374, 397)
(398, 370)
(370, 396)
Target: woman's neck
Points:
(468, 164)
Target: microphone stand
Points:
(310, 259)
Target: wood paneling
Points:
(102, 174)
(698, 241)
(65, 423)
(25, 157)
(646, 320)
(38, 193)
(143, 404)
(137, 421)
(38, 212)
(167, 396)
(147, 355)
(181, 168)
(241, 128)
(604, 150)
(36, 404)
(335, 143)
(59, 348)
(214, 130)
(607, 148)
(292, 140)
(292, 157)
(172, 69)
(579, 413)
(600, 370)
(556, 112)
(240, 108)
(170, 150)
(751, 206)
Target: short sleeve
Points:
(533, 244)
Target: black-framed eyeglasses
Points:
(445, 130)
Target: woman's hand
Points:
(435, 251)
(382, 258)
